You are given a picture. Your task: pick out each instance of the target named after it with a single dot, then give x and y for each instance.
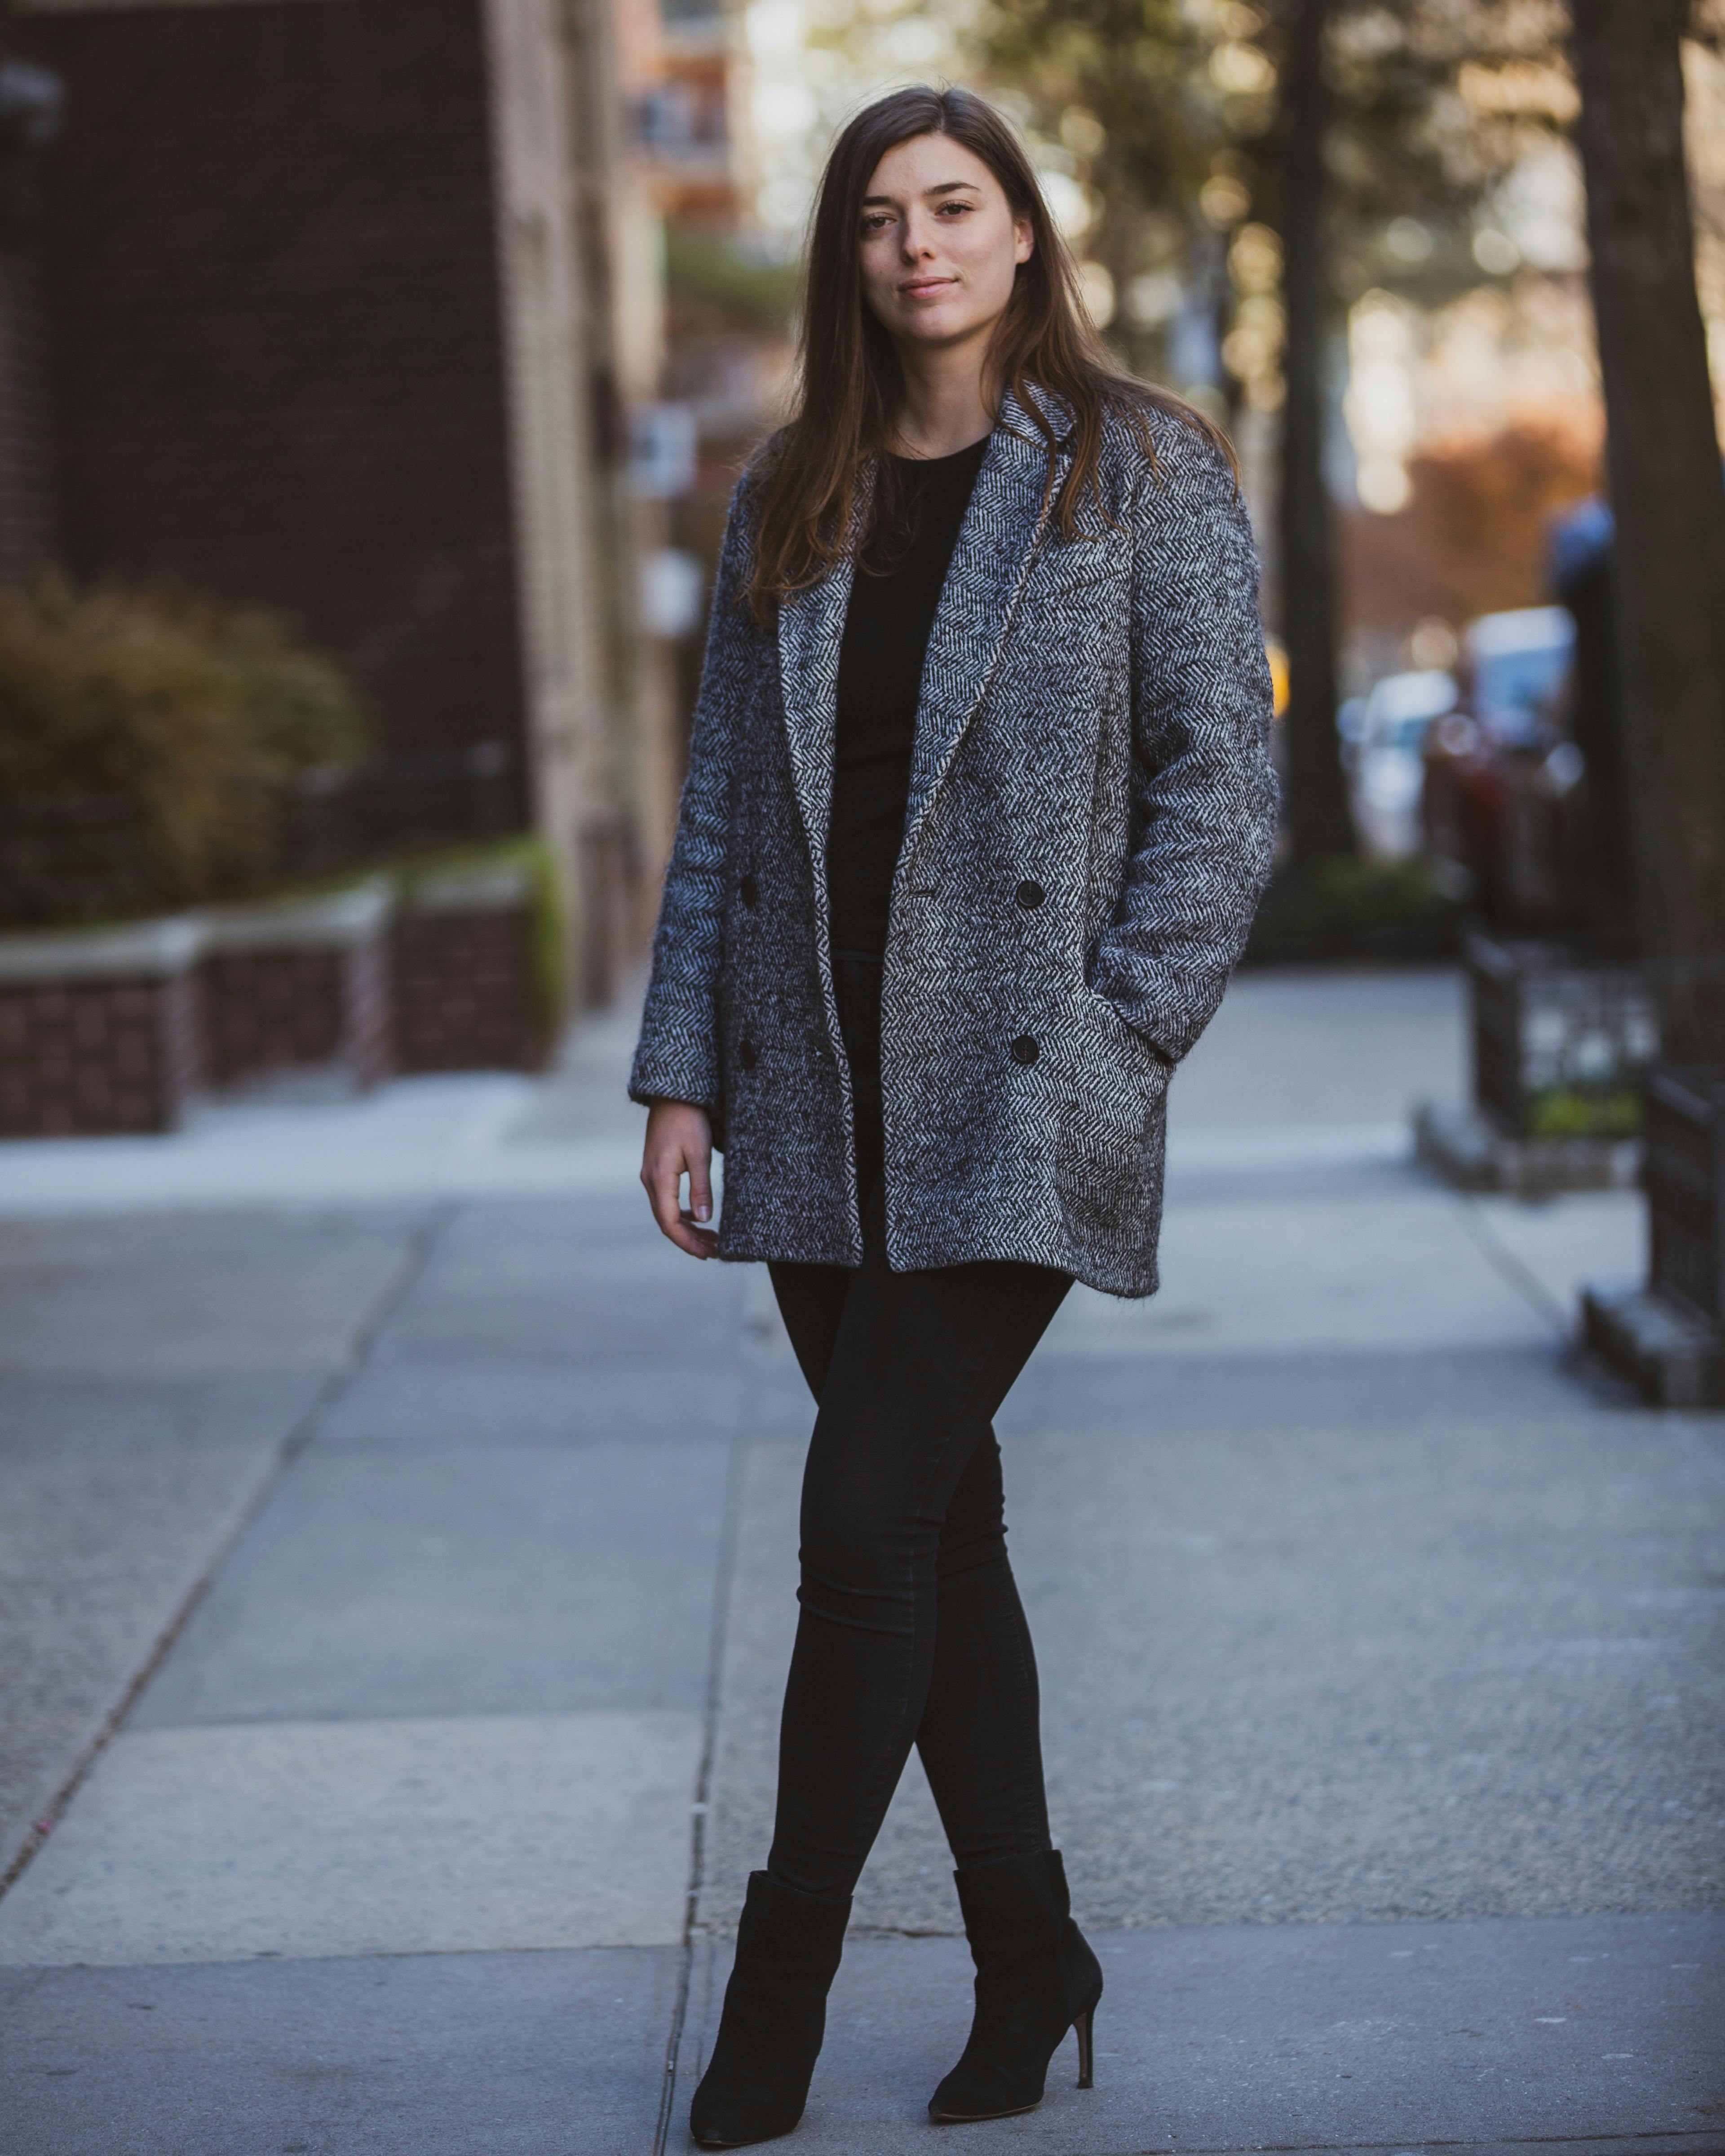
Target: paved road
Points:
(403, 1538)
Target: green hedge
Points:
(189, 712)
(1387, 912)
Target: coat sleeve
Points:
(1203, 788)
(677, 1055)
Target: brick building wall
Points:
(27, 526)
(27, 534)
(274, 305)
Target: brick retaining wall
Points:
(305, 983)
(113, 1030)
(268, 1010)
(98, 1032)
(464, 993)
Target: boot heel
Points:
(1035, 1978)
(1081, 2030)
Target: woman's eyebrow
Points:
(946, 188)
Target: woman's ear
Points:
(1023, 240)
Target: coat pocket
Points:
(1116, 1091)
(1121, 1043)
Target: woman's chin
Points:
(937, 326)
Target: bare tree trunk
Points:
(1318, 792)
(1663, 459)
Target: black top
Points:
(880, 660)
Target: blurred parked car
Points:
(1500, 771)
(1384, 736)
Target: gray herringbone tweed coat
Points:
(1092, 816)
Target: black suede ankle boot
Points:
(787, 1950)
(1035, 1978)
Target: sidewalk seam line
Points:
(1520, 1277)
(415, 1256)
(735, 1470)
(1414, 2146)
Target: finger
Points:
(700, 1186)
(663, 1175)
(698, 1241)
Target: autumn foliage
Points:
(1475, 534)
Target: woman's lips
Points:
(925, 286)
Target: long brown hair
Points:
(849, 381)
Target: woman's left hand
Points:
(679, 1142)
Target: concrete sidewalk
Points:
(397, 1541)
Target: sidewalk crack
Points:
(415, 1256)
(1522, 1278)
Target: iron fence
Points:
(1561, 1037)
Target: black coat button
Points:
(749, 890)
(1025, 1049)
(1030, 893)
(746, 1053)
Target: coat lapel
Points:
(811, 627)
(1004, 520)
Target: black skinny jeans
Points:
(911, 1630)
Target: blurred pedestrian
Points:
(979, 805)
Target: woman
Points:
(979, 809)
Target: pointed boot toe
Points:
(789, 1946)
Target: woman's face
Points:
(939, 242)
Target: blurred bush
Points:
(1389, 912)
(185, 716)
(1579, 1112)
(1476, 536)
(713, 287)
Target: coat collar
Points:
(1005, 518)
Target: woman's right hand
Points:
(680, 1142)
